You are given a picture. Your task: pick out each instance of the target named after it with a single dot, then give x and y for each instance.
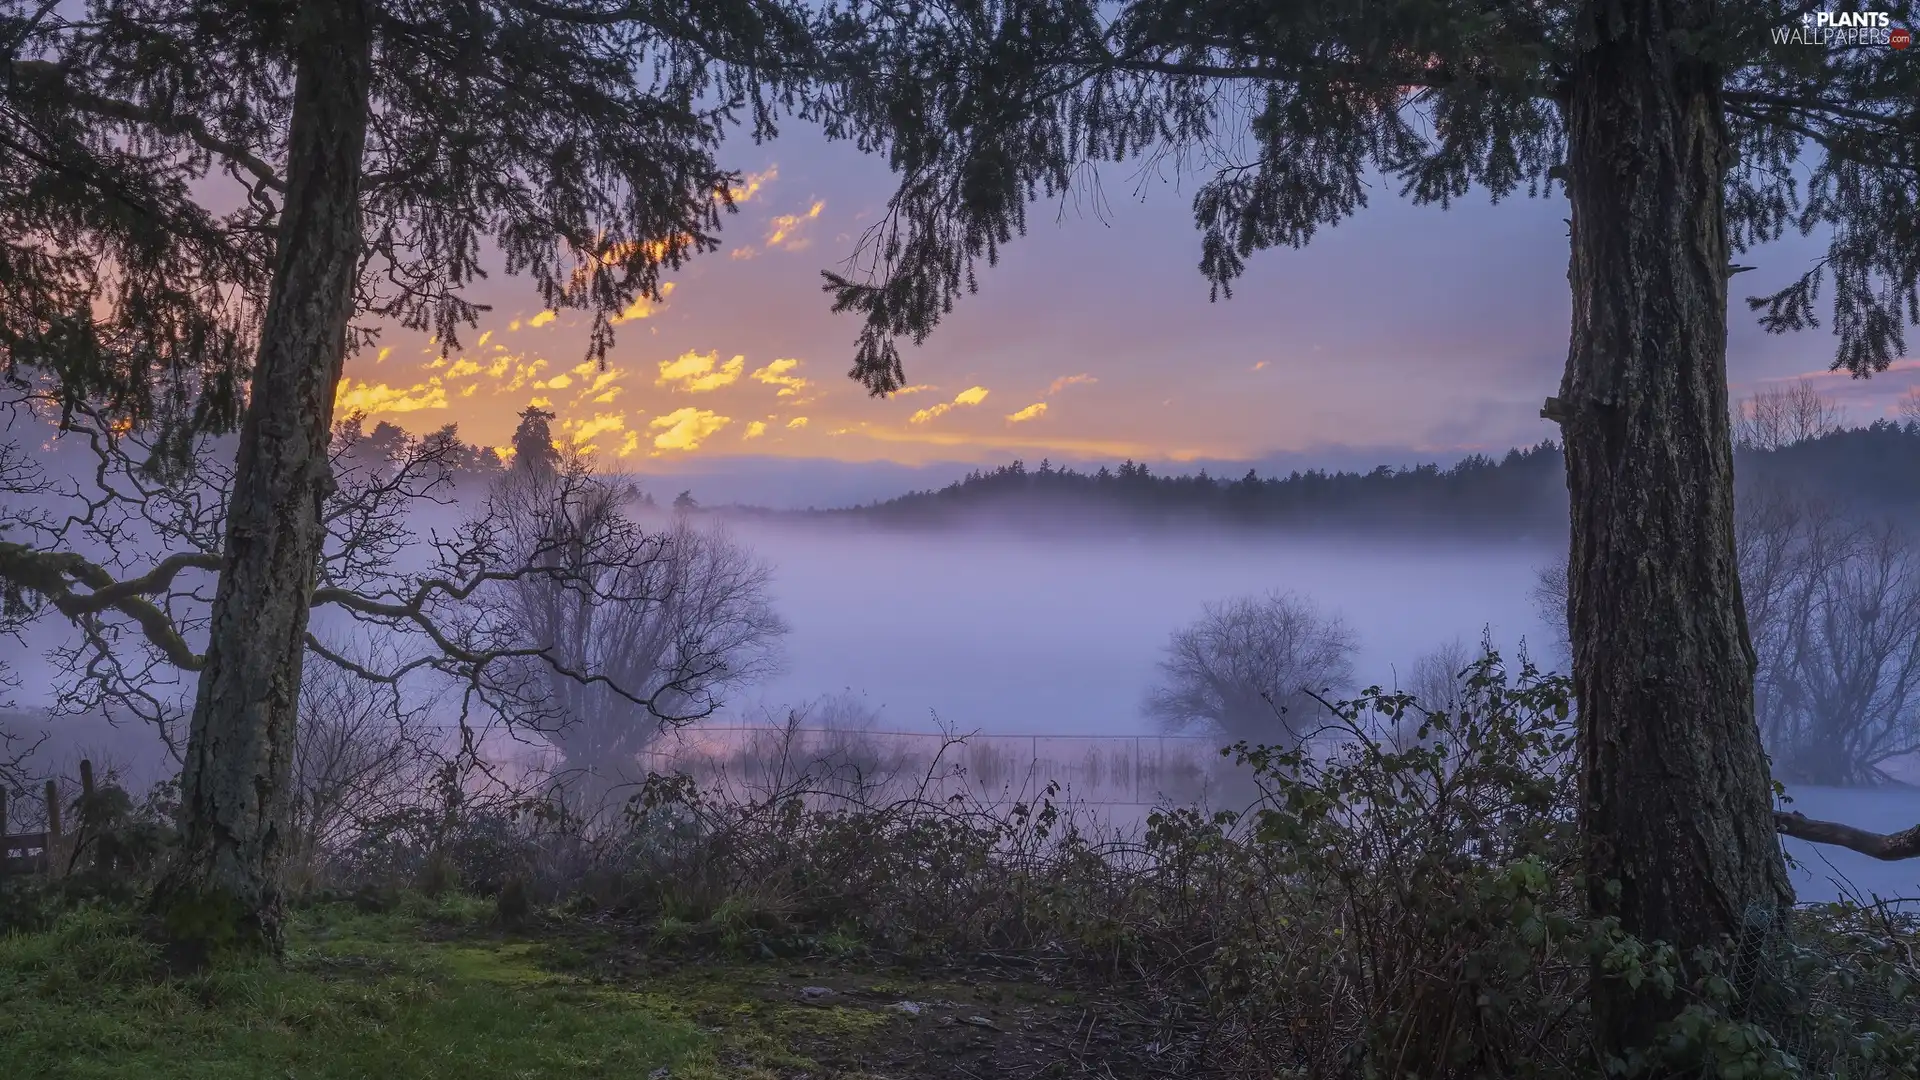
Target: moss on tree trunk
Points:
(224, 889)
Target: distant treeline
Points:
(1521, 494)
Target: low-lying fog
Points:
(1001, 634)
(1057, 636)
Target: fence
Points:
(1120, 771)
(33, 852)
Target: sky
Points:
(1407, 333)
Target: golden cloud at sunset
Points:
(542, 319)
(754, 430)
(583, 432)
(797, 422)
(644, 306)
(699, 372)
(370, 399)
(1038, 408)
(915, 389)
(775, 374)
(686, 428)
(751, 184)
(783, 231)
(1065, 381)
(973, 395)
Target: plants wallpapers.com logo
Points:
(1845, 29)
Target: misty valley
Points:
(1017, 639)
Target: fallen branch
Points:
(1886, 846)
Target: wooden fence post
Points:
(86, 781)
(53, 813)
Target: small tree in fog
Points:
(1247, 668)
(666, 625)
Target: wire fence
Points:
(1090, 770)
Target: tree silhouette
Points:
(1247, 671)
(533, 447)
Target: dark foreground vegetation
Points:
(1406, 906)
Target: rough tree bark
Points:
(224, 888)
(1676, 800)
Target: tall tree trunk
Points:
(1676, 799)
(234, 791)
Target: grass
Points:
(433, 990)
(358, 996)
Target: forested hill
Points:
(1521, 494)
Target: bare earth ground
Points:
(818, 1019)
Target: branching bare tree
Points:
(1248, 667)
(1833, 611)
(125, 552)
(671, 620)
(1778, 416)
(358, 757)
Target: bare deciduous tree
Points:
(673, 622)
(1778, 416)
(1833, 611)
(1247, 668)
(357, 758)
(1841, 689)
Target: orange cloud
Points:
(644, 307)
(1038, 408)
(915, 389)
(542, 319)
(1065, 381)
(973, 395)
(797, 422)
(754, 430)
(583, 432)
(775, 374)
(370, 399)
(687, 428)
(783, 231)
(751, 184)
(698, 372)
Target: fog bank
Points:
(1008, 634)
